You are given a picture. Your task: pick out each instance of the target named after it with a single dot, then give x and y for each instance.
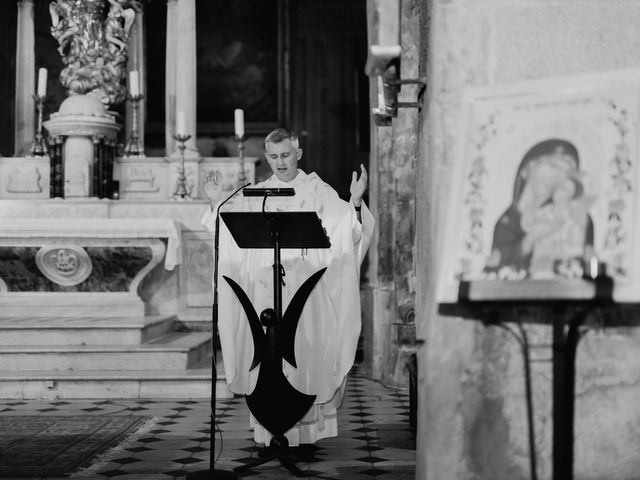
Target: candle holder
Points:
(181, 192)
(39, 148)
(133, 148)
(242, 177)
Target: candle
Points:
(181, 126)
(134, 83)
(381, 102)
(593, 267)
(239, 120)
(42, 82)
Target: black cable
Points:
(214, 333)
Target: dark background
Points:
(292, 63)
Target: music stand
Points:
(274, 402)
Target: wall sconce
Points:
(384, 63)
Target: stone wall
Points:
(391, 275)
(472, 418)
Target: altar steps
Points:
(173, 351)
(18, 330)
(104, 358)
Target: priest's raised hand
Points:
(212, 188)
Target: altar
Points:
(109, 297)
(105, 258)
(141, 253)
(82, 266)
(105, 269)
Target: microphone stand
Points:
(212, 473)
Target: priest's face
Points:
(283, 159)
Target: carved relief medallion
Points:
(66, 266)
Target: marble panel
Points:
(198, 268)
(113, 269)
(154, 178)
(24, 177)
(140, 178)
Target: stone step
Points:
(147, 384)
(174, 351)
(71, 304)
(34, 331)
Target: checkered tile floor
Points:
(375, 440)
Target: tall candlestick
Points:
(181, 126)
(134, 83)
(42, 82)
(239, 121)
(39, 146)
(133, 147)
(182, 192)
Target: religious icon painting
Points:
(547, 189)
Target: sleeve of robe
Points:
(350, 240)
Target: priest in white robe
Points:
(327, 335)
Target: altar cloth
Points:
(99, 228)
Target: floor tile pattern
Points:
(375, 440)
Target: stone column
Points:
(170, 77)
(390, 292)
(25, 78)
(181, 58)
(136, 62)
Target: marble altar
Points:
(48, 263)
(145, 228)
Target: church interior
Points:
(476, 359)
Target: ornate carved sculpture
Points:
(93, 36)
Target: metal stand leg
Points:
(522, 338)
(565, 345)
(278, 450)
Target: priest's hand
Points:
(358, 186)
(212, 188)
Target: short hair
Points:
(280, 134)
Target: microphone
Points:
(230, 196)
(268, 192)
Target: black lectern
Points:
(274, 402)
